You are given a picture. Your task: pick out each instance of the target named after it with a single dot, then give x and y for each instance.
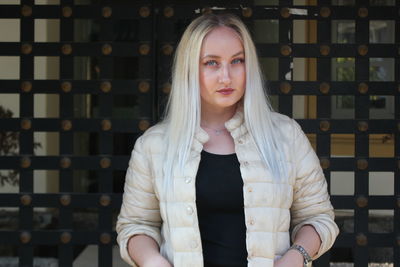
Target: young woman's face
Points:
(222, 69)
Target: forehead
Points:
(221, 41)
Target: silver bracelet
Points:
(306, 256)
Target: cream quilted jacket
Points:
(271, 207)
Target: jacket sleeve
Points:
(140, 213)
(311, 204)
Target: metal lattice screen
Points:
(113, 62)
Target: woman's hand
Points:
(158, 261)
(292, 258)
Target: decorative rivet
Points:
(105, 200)
(106, 125)
(361, 201)
(65, 200)
(324, 126)
(144, 11)
(167, 49)
(144, 87)
(206, 10)
(362, 50)
(144, 125)
(25, 237)
(26, 200)
(26, 11)
(324, 50)
(362, 12)
(25, 162)
(325, 163)
(285, 12)
(362, 126)
(65, 162)
(105, 238)
(362, 164)
(166, 88)
(363, 88)
(144, 49)
(106, 49)
(106, 12)
(66, 125)
(66, 49)
(168, 12)
(66, 87)
(105, 163)
(65, 237)
(67, 12)
(26, 86)
(325, 12)
(105, 87)
(324, 88)
(26, 49)
(361, 239)
(285, 87)
(286, 50)
(26, 124)
(247, 12)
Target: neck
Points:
(216, 118)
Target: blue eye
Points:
(238, 60)
(211, 63)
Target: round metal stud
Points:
(324, 126)
(67, 12)
(66, 87)
(105, 238)
(25, 162)
(106, 49)
(105, 200)
(324, 50)
(65, 237)
(362, 126)
(324, 88)
(206, 10)
(362, 164)
(361, 239)
(25, 237)
(106, 12)
(167, 49)
(26, 11)
(362, 50)
(285, 87)
(26, 49)
(325, 163)
(26, 200)
(361, 201)
(286, 50)
(144, 87)
(144, 11)
(106, 125)
(363, 88)
(66, 125)
(26, 124)
(105, 87)
(285, 12)
(65, 162)
(247, 12)
(105, 163)
(362, 12)
(144, 49)
(325, 12)
(26, 86)
(166, 88)
(144, 125)
(65, 200)
(168, 12)
(66, 49)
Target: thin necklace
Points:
(216, 131)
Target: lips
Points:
(226, 91)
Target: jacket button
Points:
(246, 163)
(240, 141)
(188, 180)
(189, 210)
(194, 244)
(250, 189)
(251, 222)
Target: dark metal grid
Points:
(156, 29)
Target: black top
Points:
(219, 199)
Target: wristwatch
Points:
(307, 259)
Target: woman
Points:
(222, 179)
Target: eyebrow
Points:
(215, 56)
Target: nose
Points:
(225, 76)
